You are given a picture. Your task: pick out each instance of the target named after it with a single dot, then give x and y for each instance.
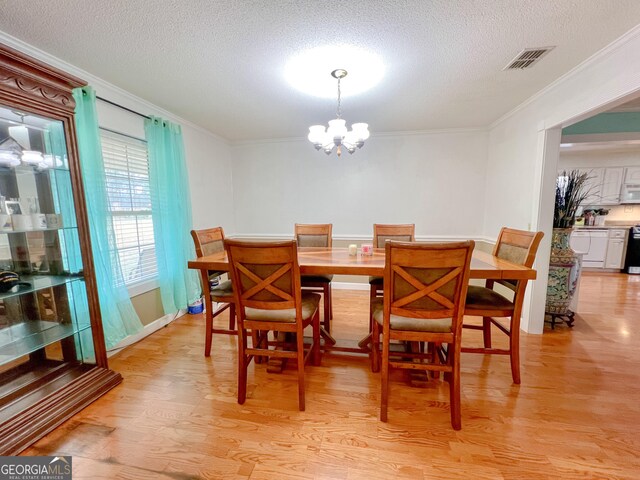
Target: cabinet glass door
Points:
(44, 314)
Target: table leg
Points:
(328, 339)
(365, 343)
(278, 364)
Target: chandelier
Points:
(337, 134)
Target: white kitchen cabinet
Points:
(604, 185)
(600, 247)
(616, 249)
(593, 185)
(632, 175)
(611, 185)
(615, 252)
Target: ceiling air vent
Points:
(527, 58)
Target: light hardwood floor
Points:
(576, 414)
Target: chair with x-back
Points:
(208, 242)
(268, 298)
(424, 293)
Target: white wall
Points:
(521, 163)
(435, 180)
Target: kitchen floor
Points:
(612, 295)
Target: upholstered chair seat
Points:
(309, 305)
(481, 298)
(398, 322)
(223, 289)
(317, 278)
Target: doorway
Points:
(605, 141)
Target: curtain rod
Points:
(123, 108)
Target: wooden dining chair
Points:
(317, 235)
(208, 242)
(515, 246)
(425, 286)
(269, 297)
(381, 234)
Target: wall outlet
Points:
(628, 208)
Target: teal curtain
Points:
(55, 144)
(171, 211)
(60, 179)
(119, 319)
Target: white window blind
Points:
(126, 166)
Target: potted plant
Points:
(572, 188)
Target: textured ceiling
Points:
(220, 63)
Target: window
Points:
(126, 166)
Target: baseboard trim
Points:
(146, 331)
(364, 238)
(349, 286)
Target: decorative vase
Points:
(564, 273)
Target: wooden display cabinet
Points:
(53, 360)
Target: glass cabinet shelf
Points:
(33, 335)
(4, 169)
(38, 282)
(32, 230)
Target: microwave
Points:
(630, 193)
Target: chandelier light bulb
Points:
(337, 130)
(362, 130)
(317, 136)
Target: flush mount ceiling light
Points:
(337, 134)
(307, 71)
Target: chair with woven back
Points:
(317, 235)
(268, 296)
(207, 242)
(516, 246)
(425, 285)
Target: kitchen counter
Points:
(602, 227)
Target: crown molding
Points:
(616, 44)
(98, 83)
(402, 133)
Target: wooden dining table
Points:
(337, 261)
